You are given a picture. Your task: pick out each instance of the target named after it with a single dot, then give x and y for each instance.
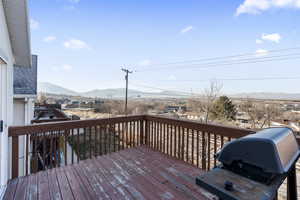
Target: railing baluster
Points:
(193, 132)
(155, 135)
(122, 136)
(66, 149)
(90, 141)
(215, 149)
(51, 149)
(208, 151)
(182, 143)
(77, 142)
(165, 134)
(114, 137)
(15, 156)
(55, 150)
(44, 149)
(142, 132)
(72, 149)
(198, 148)
(222, 141)
(84, 141)
(147, 136)
(175, 141)
(133, 133)
(203, 151)
(179, 142)
(187, 144)
(27, 137)
(106, 136)
(152, 134)
(171, 140)
(168, 140)
(96, 140)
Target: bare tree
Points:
(271, 112)
(42, 98)
(254, 112)
(210, 95)
(260, 114)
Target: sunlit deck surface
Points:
(135, 173)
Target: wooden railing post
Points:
(292, 184)
(15, 156)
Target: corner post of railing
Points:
(292, 184)
(15, 155)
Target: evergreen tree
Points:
(223, 108)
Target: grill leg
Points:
(292, 184)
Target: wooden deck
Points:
(136, 173)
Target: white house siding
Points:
(23, 114)
(6, 94)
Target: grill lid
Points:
(273, 150)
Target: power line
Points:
(221, 57)
(239, 79)
(208, 80)
(220, 64)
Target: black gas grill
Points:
(253, 167)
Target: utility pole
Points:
(127, 72)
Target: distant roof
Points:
(16, 13)
(25, 79)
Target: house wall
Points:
(23, 114)
(6, 93)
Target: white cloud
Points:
(49, 39)
(186, 29)
(261, 52)
(145, 62)
(274, 37)
(34, 25)
(258, 41)
(258, 6)
(76, 44)
(65, 68)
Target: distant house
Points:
(175, 108)
(49, 113)
(17, 79)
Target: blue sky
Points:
(82, 44)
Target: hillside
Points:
(120, 93)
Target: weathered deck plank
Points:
(135, 173)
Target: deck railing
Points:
(51, 145)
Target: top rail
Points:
(227, 131)
(15, 131)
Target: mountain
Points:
(120, 93)
(105, 93)
(50, 88)
(268, 95)
(112, 93)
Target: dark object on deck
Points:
(253, 167)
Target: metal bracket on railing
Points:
(1, 126)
